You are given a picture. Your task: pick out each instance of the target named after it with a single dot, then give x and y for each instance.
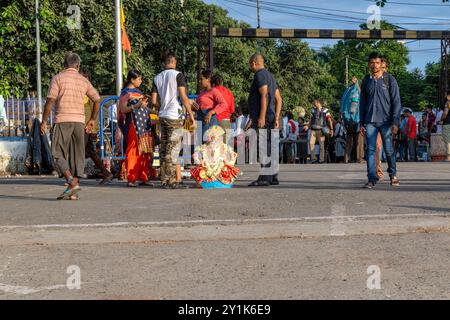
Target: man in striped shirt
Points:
(67, 92)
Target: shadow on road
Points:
(446, 210)
(26, 198)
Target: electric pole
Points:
(258, 13)
(118, 47)
(183, 27)
(38, 61)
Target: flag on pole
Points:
(126, 45)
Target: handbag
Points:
(145, 143)
(326, 131)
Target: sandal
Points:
(74, 197)
(395, 182)
(68, 193)
(107, 179)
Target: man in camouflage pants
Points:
(171, 136)
(169, 87)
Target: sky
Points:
(330, 14)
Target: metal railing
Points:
(111, 139)
(17, 115)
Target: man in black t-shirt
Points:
(264, 103)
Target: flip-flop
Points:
(68, 193)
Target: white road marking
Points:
(24, 290)
(223, 221)
(337, 227)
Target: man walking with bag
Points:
(321, 126)
(380, 109)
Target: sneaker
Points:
(395, 182)
(131, 185)
(369, 185)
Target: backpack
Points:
(318, 119)
(350, 105)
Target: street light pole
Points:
(38, 61)
(183, 27)
(118, 49)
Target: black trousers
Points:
(269, 164)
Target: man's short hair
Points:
(168, 56)
(207, 74)
(256, 56)
(72, 60)
(375, 55)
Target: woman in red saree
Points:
(134, 122)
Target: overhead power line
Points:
(299, 8)
(276, 8)
(414, 4)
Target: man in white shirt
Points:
(169, 87)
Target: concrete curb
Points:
(158, 234)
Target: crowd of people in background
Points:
(343, 143)
(347, 145)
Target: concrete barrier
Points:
(438, 147)
(12, 156)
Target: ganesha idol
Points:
(215, 162)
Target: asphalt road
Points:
(312, 237)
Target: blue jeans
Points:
(371, 146)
